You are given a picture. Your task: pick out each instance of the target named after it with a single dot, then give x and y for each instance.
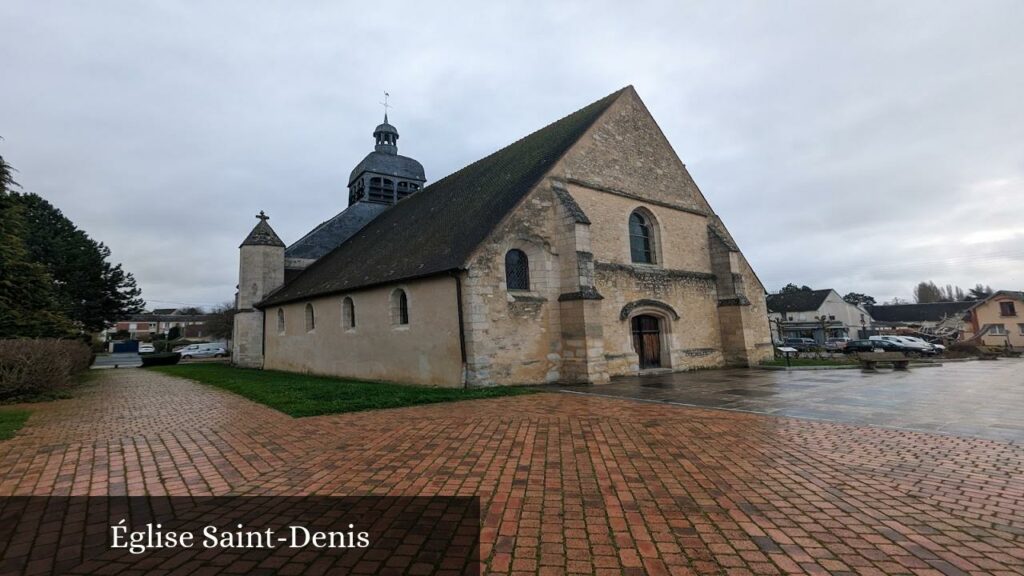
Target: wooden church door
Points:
(647, 341)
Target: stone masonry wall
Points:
(627, 152)
(693, 338)
(514, 337)
(574, 229)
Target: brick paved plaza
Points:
(569, 483)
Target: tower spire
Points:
(386, 135)
(386, 106)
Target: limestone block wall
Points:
(682, 278)
(425, 351)
(680, 237)
(754, 317)
(247, 339)
(260, 270)
(514, 337)
(627, 151)
(693, 338)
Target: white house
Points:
(818, 314)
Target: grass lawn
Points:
(809, 362)
(11, 421)
(303, 395)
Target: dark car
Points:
(872, 345)
(801, 344)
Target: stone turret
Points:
(260, 271)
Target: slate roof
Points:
(262, 235)
(394, 165)
(802, 301)
(932, 312)
(436, 229)
(331, 233)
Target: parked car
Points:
(937, 347)
(836, 344)
(146, 349)
(202, 351)
(875, 345)
(801, 344)
(920, 347)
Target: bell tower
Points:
(385, 176)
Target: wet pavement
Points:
(568, 483)
(984, 399)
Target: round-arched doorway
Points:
(647, 340)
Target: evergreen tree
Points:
(927, 292)
(857, 298)
(89, 289)
(979, 292)
(791, 288)
(28, 303)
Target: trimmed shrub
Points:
(43, 368)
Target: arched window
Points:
(399, 308)
(348, 313)
(280, 320)
(310, 318)
(517, 270)
(641, 239)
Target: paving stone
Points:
(571, 483)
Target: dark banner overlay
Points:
(239, 535)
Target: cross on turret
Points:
(262, 217)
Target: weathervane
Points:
(262, 217)
(386, 105)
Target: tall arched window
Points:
(310, 318)
(399, 308)
(517, 270)
(348, 313)
(280, 320)
(641, 239)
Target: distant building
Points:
(940, 319)
(997, 320)
(160, 321)
(818, 314)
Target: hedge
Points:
(40, 368)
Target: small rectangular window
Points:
(998, 329)
(1007, 309)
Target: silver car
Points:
(202, 351)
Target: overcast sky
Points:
(862, 146)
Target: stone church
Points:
(581, 252)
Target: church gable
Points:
(626, 152)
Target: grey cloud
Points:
(851, 145)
